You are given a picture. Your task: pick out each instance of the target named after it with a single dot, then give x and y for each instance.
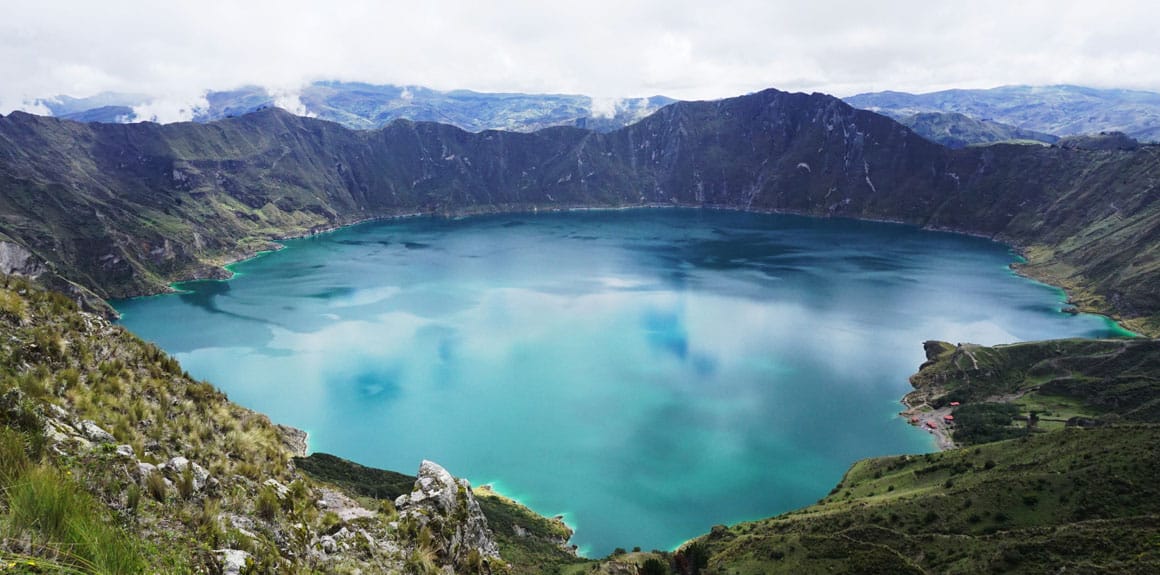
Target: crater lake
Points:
(645, 373)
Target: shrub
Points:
(654, 566)
(421, 562)
(12, 305)
(133, 497)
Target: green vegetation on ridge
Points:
(1058, 498)
(1076, 500)
(1011, 390)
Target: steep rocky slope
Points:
(123, 209)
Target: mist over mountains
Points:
(364, 106)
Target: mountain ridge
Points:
(1061, 110)
(148, 204)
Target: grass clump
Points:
(267, 506)
(57, 515)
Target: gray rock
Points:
(15, 259)
(126, 451)
(144, 470)
(280, 490)
(346, 508)
(448, 506)
(233, 560)
(58, 412)
(94, 433)
(293, 438)
(174, 468)
(328, 545)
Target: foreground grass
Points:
(46, 511)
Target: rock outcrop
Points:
(15, 259)
(445, 506)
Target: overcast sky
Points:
(174, 50)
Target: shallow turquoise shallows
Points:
(645, 373)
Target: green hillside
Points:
(1077, 501)
(1075, 491)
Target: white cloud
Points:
(291, 101)
(605, 107)
(170, 109)
(603, 48)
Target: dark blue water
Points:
(646, 373)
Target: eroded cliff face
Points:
(138, 205)
(15, 259)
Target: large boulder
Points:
(447, 507)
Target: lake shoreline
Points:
(940, 434)
(799, 252)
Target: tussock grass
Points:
(56, 514)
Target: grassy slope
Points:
(1081, 500)
(1084, 500)
(58, 366)
(1105, 381)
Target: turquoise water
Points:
(646, 373)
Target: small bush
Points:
(12, 305)
(654, 566)
(421, 562)
(133, 498)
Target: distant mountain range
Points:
(367, 106)
(1056, 110)
(956, 130)
(954, 118)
